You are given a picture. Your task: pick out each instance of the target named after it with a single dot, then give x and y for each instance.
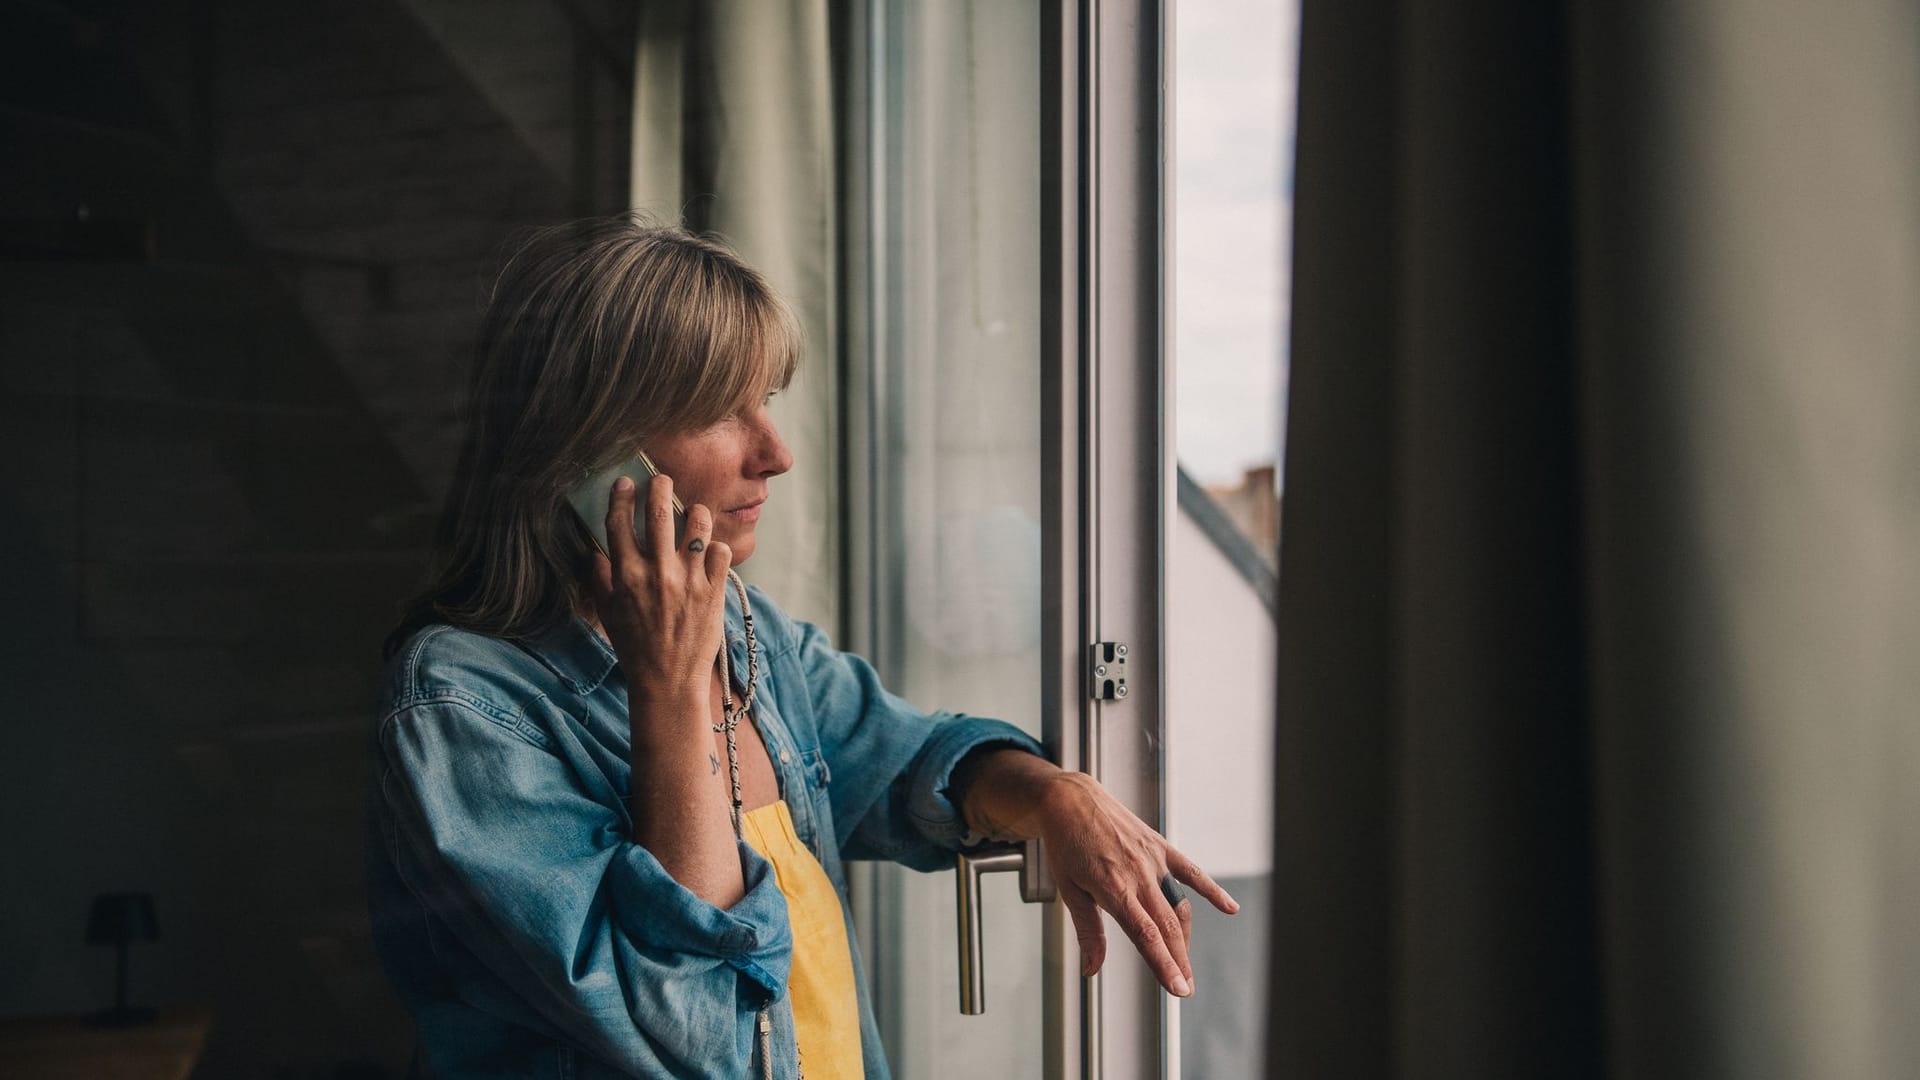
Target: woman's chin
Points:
(741, 548)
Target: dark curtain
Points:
(1596, 703)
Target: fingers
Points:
(699, 531)
(707, 555)
(629, 537)
(1189, 873)
(1177, 925)
(719, 557)
(1175, 931)
(1087, 927)
(660, 517)
(621, 542)
(1149, 933)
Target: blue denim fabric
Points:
(526, 931)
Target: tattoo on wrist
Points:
(713, 763)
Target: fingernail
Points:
(623, 484)
(1181, 987)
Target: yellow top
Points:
(826, 1015)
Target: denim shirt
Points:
(525, 930)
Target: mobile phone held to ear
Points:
(594, 495)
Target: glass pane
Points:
(955, 351)
(1233, 138)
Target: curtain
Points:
(1596, 741)
(880, 162)
(734, 132)
(953, 435)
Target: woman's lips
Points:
(746, 513)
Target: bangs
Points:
(758, 351)
(697, 336)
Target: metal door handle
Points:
(1036, 887)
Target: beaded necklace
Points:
(729, 723)
(729, 715)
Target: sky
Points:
(1234, 63)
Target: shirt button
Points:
(786, 757)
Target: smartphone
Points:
(591, 499)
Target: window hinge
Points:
(1107, 670)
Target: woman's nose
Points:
(774, 458)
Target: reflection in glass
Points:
(1233, 135)
(953, 322)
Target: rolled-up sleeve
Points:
(892, 763)
(542, 884)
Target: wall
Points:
(230, 390)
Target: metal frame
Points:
(871, 609)
(1069, 1002)
(1109, 474)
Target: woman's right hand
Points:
(664, 610)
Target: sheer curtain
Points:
(880, 161)
(733, 129)
(953, 427)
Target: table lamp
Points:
(120, 919)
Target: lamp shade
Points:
(121, 918)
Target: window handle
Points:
(1036, 887)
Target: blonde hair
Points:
(598, 334)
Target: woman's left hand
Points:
(1101, 855)
(1104, 857)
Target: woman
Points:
(614, 791)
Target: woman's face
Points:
(727, 467)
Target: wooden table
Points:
(67, 1048)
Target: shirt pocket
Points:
(818, 777)
(826, 842)
(817, 773)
